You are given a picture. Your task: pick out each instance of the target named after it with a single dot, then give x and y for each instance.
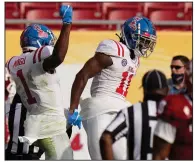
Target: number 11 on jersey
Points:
(125, 78)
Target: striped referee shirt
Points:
(137, 124)
(16, 117)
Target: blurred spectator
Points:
(177, 81)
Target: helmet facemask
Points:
(144, 45)
(53, 40)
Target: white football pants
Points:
(94, 128)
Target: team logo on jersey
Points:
(186, 111)
(124, 62)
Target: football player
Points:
(37, 81)
(173, 133)
(113, 66)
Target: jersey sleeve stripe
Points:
(122, 49)
(119, 51)
(34, 57)
(9, 63)
(39, 54)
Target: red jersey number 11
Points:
(125, 78)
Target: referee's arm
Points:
(115, 130)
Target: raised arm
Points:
(92, 67)
(61, 46)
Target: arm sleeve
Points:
(165, 131)
(118, 127)
(108, 47)
(45, 52)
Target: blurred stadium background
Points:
(95, 21)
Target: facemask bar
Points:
(144, 45)
(53, 40)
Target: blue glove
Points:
(75, 119)
(66, 13)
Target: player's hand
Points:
(66, 13)
(75, 119)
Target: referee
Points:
(137, 123)
(15, 149)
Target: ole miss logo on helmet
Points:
(133, 25)
(134, 22)
(41, 33)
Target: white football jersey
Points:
(40, 91)
(115, 79)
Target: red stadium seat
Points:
(11, 5)
(133, 6)
(188, 10)
(12, 14)
(149, 7)
(120, 15)
(44, 14)
(27, 6)
(86, 15)
(93, 6)
(167, 16)
(188, 13)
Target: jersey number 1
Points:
(31, 100)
